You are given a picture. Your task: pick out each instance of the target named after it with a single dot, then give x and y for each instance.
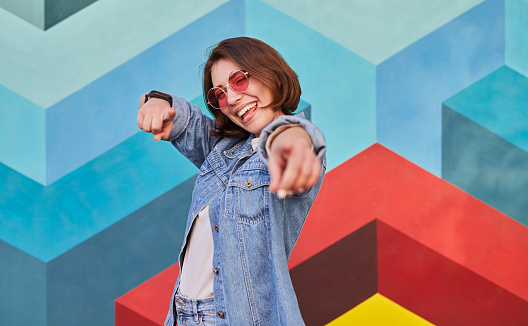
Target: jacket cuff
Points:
(315, 134)
(182, 117)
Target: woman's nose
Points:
(232, 96)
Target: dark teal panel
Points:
(412, 84)
(484, 165)
(83, 283)
(56, 11)
(22, 288)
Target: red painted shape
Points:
(379, 184)
(148, 303)
(124, 316)
(438, 289)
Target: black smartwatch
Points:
(160, 95)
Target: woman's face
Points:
(249, 109)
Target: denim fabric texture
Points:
(194, 312)
(253, 230)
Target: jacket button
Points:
(249, 184)
(220, 314)
(215, 271)
(216, 228)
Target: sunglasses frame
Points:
(224, 88)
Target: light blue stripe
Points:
(22, 135)
(45, 67)
(103, 114)
(375, 30)
(339, 85)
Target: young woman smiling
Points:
(260, 169)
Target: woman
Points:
(260, 170)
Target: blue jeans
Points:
(194, 312)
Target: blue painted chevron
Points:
(412, 84)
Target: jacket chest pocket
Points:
(247, 197)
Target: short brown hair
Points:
(262, 62)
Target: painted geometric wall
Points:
(423, 214)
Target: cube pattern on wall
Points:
(423, 215)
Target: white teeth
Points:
(246, 108)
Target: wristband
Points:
(160, 95)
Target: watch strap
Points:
(159, 95)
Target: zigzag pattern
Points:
(422, 217)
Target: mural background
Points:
(423, 214)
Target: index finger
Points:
(275, 172)
(293, 165)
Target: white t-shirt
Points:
(196, 281)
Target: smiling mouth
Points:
(244, 112)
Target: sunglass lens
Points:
(238, 81)
(216, 97)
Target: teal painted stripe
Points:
(102, 114)
(517, 35)
(199, 102)
(339, 85)
(22, 135)
(47, 221)
(499, 103)
(375, 30)
(46, 67)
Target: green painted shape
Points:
(45, 67)
(516, 25)
(375, 30)
(32, 11)
(499, 103)
(58, 10)
(22, 135)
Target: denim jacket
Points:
(253, 230)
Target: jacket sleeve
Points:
(191, 131)
(315, 134)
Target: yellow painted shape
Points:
(379, 311)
